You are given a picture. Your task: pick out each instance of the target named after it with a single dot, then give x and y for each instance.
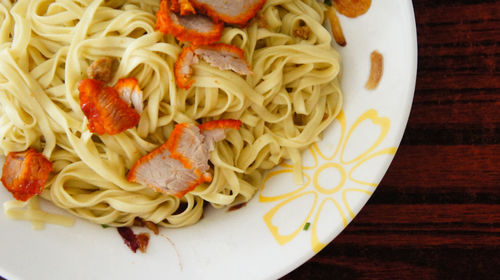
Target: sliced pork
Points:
(222, 56)
(130, 92)
(106, 112)
(233, 12)
(183, 70)
(159, 171)
(24, 174)
(181, 163)
(197, 29)
(187, 145)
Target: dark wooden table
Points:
(436, 213)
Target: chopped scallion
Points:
(306, 226)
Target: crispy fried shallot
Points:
(222, 56)
(130, 92)
(142, 241)
(24, 173)
(352, 8)
(237, 12)
(197, 29)
(129, 238)
(152, 227)
(134, 241)
(376, 70)
(106, 112)
(181, 163)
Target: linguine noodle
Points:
(46, 47)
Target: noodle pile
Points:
(46, 47)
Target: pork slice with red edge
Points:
(233, 12)
(181, 163)
(222, 56)
(197, 29)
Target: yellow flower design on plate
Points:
(334, 183)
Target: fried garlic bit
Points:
(376, 70)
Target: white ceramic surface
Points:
(265, 239)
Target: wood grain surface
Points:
(436, 213)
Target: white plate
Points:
(265, 239)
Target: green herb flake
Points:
(104, 226)
(328, 2)
(306, 226)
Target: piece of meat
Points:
(24, 173)
(182, 7)
(215, 131)
(181, 163)
(183, 70)
(191, 144)
(197, 29)
(106, 112)
(101, 69)
(157, 170)
(130, 92)
(233, 12)
(185, 144)
(222, 56)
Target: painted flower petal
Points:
(283, 185)
(364, 134)
(287, 219)
(354, 199)
(329, 147)
(375, 160)
(330, 220)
